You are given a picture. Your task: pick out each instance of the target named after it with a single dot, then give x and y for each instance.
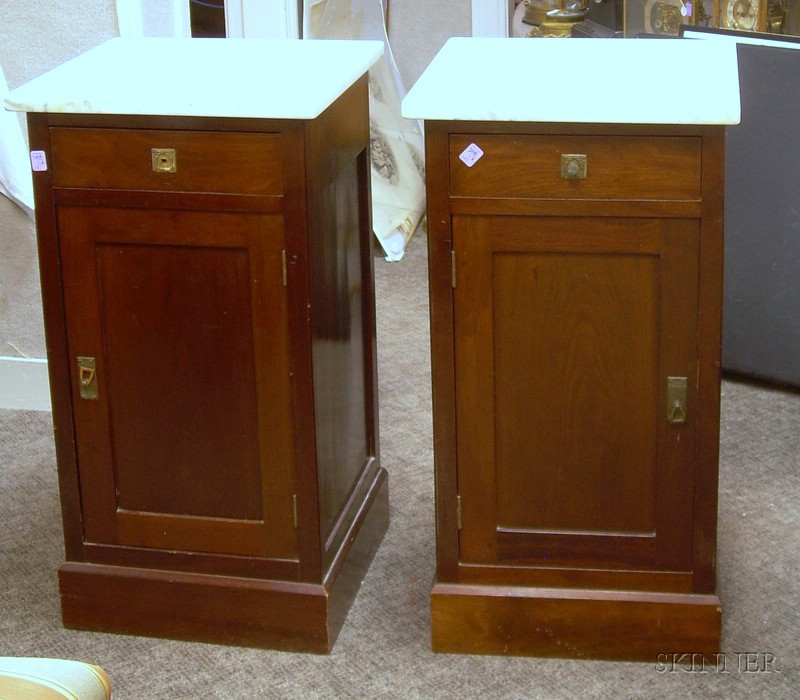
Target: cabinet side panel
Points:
(709, 353)
(338, 349)
(342, 308)
(440, 285)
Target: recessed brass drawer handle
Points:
(676, 399)
(573, 166)
(87, 377)
(164, 160)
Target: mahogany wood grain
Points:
(507, 206)
(571, 575)
(297, 220)
(237, 397)
(342, 302)
(225, 564)
(340, 398)
(216, 609)
(223, 609)
(356, 550)
(230, 460)
(58, 359)
(442, 352)
(618, 167)
(569, 305)
(571, 333)
(206, 162)
(709, 359)
(92, 197)
(614, 625)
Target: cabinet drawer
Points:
(224, 162)
(620, 168)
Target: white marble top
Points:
(277, 79)
(631, 81)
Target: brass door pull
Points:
(87, 377)
(676, 399)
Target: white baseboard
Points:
(24, 384)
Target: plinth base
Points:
(569, 623)
(285, 615)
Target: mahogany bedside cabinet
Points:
(575, 252)
(203, 218)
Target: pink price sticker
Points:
(471, 155)
(38, 161)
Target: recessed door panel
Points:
(566, 333)
(187, 444)
(575, 392)
(181, 396)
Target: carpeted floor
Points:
(384, 650)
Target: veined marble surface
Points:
(614, 81)
(276, 79)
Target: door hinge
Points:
(453, 268)
(294, 509)
(458, 511)
(283, 266)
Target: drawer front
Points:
(224, 162)
(530, 167)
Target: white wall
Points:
(417, 30)
(35, 35)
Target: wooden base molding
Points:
(289, 616)
(569, 623)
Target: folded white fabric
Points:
(51, 679)
(15, 171)
(396, 145)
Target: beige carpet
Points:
(383, 650)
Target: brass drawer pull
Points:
(573, 166)
(164, 160)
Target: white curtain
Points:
(15, 172)
(397, 151)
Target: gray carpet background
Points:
(384, 648)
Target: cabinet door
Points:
(183, 427)
(565, 333)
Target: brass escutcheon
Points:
(164, 160)
(573, 166)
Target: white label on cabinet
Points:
(38, 161)
(471, 155)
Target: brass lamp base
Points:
(557, 24)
